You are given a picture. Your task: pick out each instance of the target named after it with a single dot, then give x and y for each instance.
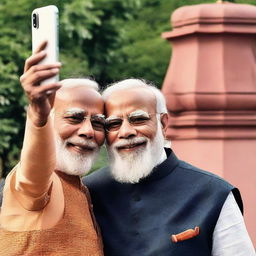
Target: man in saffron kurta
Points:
(46, 210)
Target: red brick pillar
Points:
(210, 87)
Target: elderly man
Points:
(149, 202)
(46, 210)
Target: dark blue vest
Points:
(139, 219)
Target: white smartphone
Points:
(45, 24)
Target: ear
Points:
(164, 122)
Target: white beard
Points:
(74, 163)
(130, 167)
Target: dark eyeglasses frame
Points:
(142, 121)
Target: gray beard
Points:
(73, 163)
(131, 167)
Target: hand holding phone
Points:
(40, 97)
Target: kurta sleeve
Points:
(32, 179)
(230, 236)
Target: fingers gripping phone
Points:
(45, 28)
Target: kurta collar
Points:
(163, 169)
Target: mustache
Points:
(129, 142)
(82, 143)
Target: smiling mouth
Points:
(80, 148)
(130, 147)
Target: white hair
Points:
(138, 83)
(76, 82)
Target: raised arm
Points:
(37, 163)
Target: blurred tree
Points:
(12, 54)
(142, 52)
(92, 32)
(87, 33)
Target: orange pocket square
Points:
(187, 234)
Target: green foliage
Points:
(12, 55)
(78, 19)
(102, 159)
(142, 51)
(106, 39)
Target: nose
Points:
(126, 130)
(86, 129)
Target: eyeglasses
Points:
(114, 123)
(97, 121)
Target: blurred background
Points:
(108, 40)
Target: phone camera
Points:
(35, 20)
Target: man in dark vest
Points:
(150, 203)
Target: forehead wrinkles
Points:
(125, 97)
(78, 100)
(86, 96)
(128, 100)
